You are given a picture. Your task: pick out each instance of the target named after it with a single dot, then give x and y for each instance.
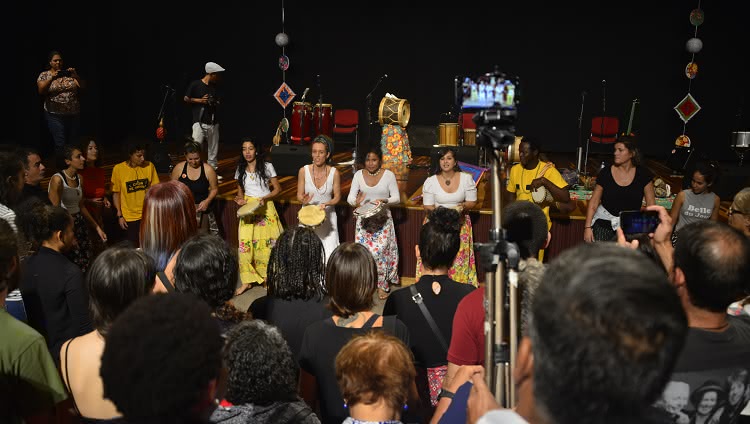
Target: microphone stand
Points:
(368, 104)
(320, 110)
(579, 151)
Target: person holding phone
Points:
(619, 187)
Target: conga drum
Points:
(301, 122)
(514, 150)
(448, 134)
(470, 136)
(394, 111)
(323, 119)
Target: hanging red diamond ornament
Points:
(284, 95)
(687, 108)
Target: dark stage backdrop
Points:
(127, 52)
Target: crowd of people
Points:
(654, 329)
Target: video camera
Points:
(494, 97)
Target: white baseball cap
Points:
(213, 67)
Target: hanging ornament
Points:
(282, 39)
(696, 17)
(283, 62)
(691, 70)
(161, 133)
(687, 108)
(682, 141)
(284, 95)
(694, 45)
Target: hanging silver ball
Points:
(282, 39)
(694, 45)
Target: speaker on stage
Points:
(287, 159)
(467, 154)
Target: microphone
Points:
(604, 82)
(167, 87)
(385, 75)
(305, 93)
(584, 93)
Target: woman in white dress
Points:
(377, 185)
(451, 188)
(320, 184)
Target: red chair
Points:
(467, 121)
(346, 122)
(604, 129)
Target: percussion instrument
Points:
(394, 111)
(514, 150)
(373, 216)
(323, 119)
(542, 195)
(301, 122)
(248, 208)
(470, 136)
(311, 216)
(448, 134)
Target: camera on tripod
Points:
(494, 97)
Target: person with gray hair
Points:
(606, 330)
(262, 380)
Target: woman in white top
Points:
(66, 189)
(451, 188)
(257, 232)
(377, 185)
(320, 184)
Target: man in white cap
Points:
(202, 96)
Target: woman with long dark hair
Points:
(258, 231)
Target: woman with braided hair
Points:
(297, 295)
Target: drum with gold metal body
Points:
(448, 134)
(470, 136)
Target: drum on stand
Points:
(301, 123)
(448, 134)
(394, 111)
(323, 119)
(470, 136)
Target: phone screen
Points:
(638, 222)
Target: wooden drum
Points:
(394, 111)
(448, 134)
(470, 137)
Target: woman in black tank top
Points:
(202, 181)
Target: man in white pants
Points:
(202, 96)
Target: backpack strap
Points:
(417, 298)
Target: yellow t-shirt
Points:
(132, 184)
(520, 177)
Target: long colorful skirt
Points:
(464, 269)
(80, 254)
(382, 244)
(394, 144)
(257, 235)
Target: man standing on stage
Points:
(536, 181)
(202, 95)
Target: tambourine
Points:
(311, 216)
(368, 209)
(248, 208)
(541, 195)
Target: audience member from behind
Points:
(162, 360)
(168, 221)
(351, 279)
(605, 331)
(30, 385)
(380, 391)
(130, 180)
(438, 245)
(710, 271)
(297, 293)
(11, 183)
(739, 212)
(262, 379)
(51, 285)
(527, 227)
(117, 277)
(207, 268)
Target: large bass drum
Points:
(393, 110)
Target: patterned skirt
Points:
(464, 269)
(257, 235)
(382, 244)
(394, 144)
(80, 254)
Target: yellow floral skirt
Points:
(257, 235)
(464, 269)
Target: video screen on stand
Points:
(487, 92)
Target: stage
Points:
(567, 228)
